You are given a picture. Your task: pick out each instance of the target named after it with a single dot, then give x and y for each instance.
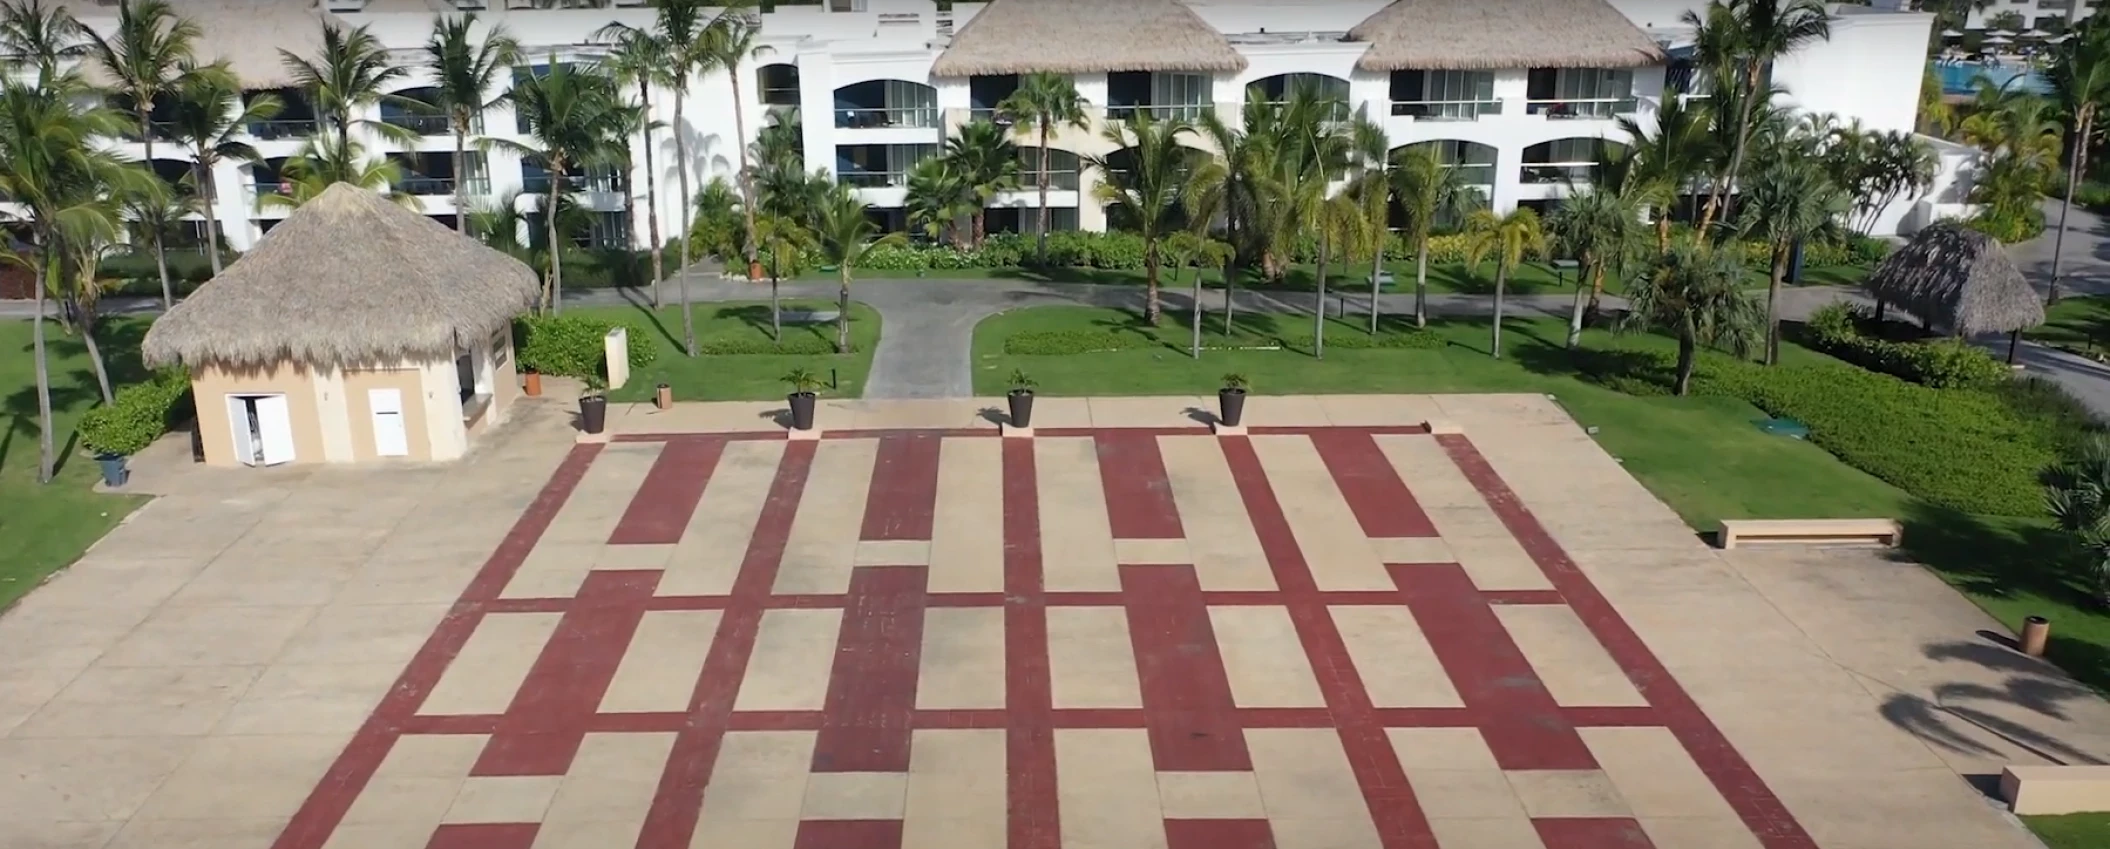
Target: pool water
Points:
(1960, 79)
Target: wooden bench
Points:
(2032, 790)
(1885, 532)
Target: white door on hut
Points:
(262, 426)
(391, 435)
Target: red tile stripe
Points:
(848, 834)
(1139, 501)
(1034, 820)
(1592, 833)
(1761, 810)
(505, 835)
(1218, 834)
(671, 821)
(904, 488)
(872, 690)
(1067, 598)
(1186, 693)
(1397, 815)
(545, 724)
(659, 512)
(1380, 500)
(990, 432)
(347, 776)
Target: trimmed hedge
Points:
(574, 346)
(1060, 342)
(140, 414)
(1068, 342)
(1940, 363)
(752, 344)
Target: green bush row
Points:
(575, 346)
(140, 414)
(1941, 363)
(747, 344)
(1059, 342)
(1065, 342)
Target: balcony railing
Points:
(424, 125)
(1541, 173)
(1597, 108)
(1447, 110)
(1158, 111)
(539, 184)
(1058, 181)
(1339, 112)
(163, 131)
(284, 128)
(476, 186)
(911, 117)
(874, 179)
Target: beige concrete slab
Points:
(366, 633)
(855, 796)
(25, 691)
(1263, 658)
(491, 665)
(1106, 789)
(195, 834)
(822, 548)
(1227, 553)
(84, 780)
(1412, 550)
(601, 497)
(503, 798)
(310, 699)
(1156, 411)
(244, 777)
(1490, 833)
(1058, 412)
(1339, 555)
(727, 832)
(1498, 563)
(788, 669)
(1076, 538)
(1308, 787)
(210, 636)
(1378, 410)
(953, 784)
(1429, 473)
(665, 657)
(759, 775)
(691, 417)
(1395, 662)
(891, 552)
(1567, 793)
(1153, 552)
(715, 541)
(967, 525)
(962, 662)
(1284, 411)
(1210, 795)
(174, 701)
(1575, 668)
(1091, 663)
(1654, 774)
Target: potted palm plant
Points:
(1231, 399)
(805, 387)
(1021, 398)
(593, 405)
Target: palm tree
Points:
(2077, 493)
(1042, 103)
(640, 60)
(939, 196)
(347, 77)
(1148, 191)
(845, 235)
(463, 73)
(1762, 32)
(150, 216)
(1340, 225)
(1510, 239)
(1600, 226)
(321, 163)
(984, 157)
(1229, 186)
(1789, 202)
(144, 57)
(577, 119)
(1427, 191)
(785, 240)
(211, 119)
(1697, 294)
(728, 41)
(40, 37)
(2080, 82)
(1371, 185)
(1669, 153)
(678, 30)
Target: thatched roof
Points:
(1086, 37)
(1485, 35)
(247, 34)
(348, 279)
(1959, 279)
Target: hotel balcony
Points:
(1593, 108)
(1447, 110)
(881, 112)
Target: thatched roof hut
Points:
(1485, 35)
(348, 279)
(246, 34)
(1956, 278)
(1086, 37)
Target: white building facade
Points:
(867, 81)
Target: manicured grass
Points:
(2075, 323)
(47, 526)
(1530, 279)
(743, 377)
(2074, 831)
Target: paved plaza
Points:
(1341, 631)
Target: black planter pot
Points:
(802, 410)
(114, 472)
(593, 413)
(1232, 402)
(1021, 407)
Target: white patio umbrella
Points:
(1950, 33)
(2036, 33)
(1995, 39)
(2058, 38)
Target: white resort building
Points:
(1516, 92)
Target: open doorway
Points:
(263, 429)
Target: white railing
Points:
(1589, 108)
(886, 117)
(1447, 110)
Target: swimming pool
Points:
(1960, 78)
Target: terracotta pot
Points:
(533, 384)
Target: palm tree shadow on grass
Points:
(73, 389)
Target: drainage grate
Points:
(1784, 427)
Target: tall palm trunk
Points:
(1781, 254)
(161, 257)
(659, 269)
(1197, 317)
(1723, 198)
(1318, 313)
(1575, 315)
(1663, 232)
(1688, 350)
(461, 177)
(1421, 284)
(1042, 240)
(1501, 283)
(2073, 180)
(1151, 307)
(553, 291)
(47, 454)
(681, 173)
(776, 308)
(747, 179)
(95, 352)
(1230, 274)
(1377, 270)
(842, 312)
(210, 185)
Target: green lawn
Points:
(2075, 323)
(2074, 831)
(743, 377)
(48, 526)
(1532, 278)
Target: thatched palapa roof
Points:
(348, 279)
(1485, 35)
(1086, 37)
(1957, 278)
(247, 34)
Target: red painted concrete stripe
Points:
(347, 776)
(659, 512)
(1372, 488)
(671, 821)
(904, 489)
(1397, 815)
(1762, 811)
(1029, 738)
(503, 835)
(1523, 725)
(1592, 833)
(1139, 501)
(848, 834)
(1218, 834)
(1186, 693)
(547, 720)
(1065, 598)
(872, 690)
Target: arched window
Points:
(876, 104)
(1063, 167)
(778, 84)
(1564, 160)
(1278, 89)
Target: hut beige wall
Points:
(211, 384)
(505, 384)
(410, 382)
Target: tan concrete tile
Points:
(1263, 658)
(1091, 662)
(927, 833)
(1567, 657)
(586, 834)
(822, 547)
(1157, 411)
(506, 798)
(1226, 551)
(418, 781)
(1152, 552)
(245, 778)
(544, 583)
(210, 636)
(364, 634)
(962, 661)
(855, 796)
(1441, 749)
(665, 657)
(793, 656)
(1378, 410)
(1465, 793)
(61, 835)
(1210, 795)
(1327, 532)
(967, 528)
(1431, 476)
(380, 835)
(141, 702)
(1345, 833)
(1567, 793)
(897, 414)
(1496, 833)
(111, 582)
(633, 557)
(588, 799)
(1699, 833)
(599, 500)
(1304, 775)
(1397, 666)
(1076, 538)
(892, 552)
(1106, 788)
(25, 691)
(1049, 413)
(41, 636)
(779, 753)
(1413, 550)
(314, 580)
(1922, 807)
(728, 832)
(49, 781)
(717, 536)
(487, 672)
(952, 774)
(1654, 773)
(737, 796)
(405, 582)
(197, 834)
(1499, 563)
